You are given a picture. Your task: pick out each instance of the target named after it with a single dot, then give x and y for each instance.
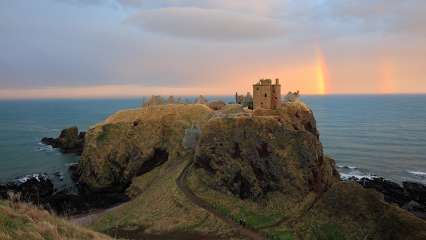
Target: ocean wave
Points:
(36, 176)
(347, 167)
(71, 164)
(417, 173)
(348, 176)
(44, 148)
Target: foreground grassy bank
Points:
(20, 221)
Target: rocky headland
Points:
(221, 171)
(263, 167)
(69, 141)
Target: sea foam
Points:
(347, 176)
(417, 173)
(24, 179)
(44, 148)
(347, 167)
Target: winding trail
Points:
(181, 183)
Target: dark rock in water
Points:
(32, 188)
(65, 202)
(70, 202)
(392, 192)
(74, 171)
(416, 208)
(410, 196)
(416, 191)
(50, 141)
(69, 141)
(39, 190)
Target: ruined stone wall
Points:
(275, 96)
(267, 95)
(262, 96)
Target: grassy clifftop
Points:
(265, 168)
(25, 222)
(131, 142)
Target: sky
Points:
(130, 48)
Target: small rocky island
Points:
(251, 170)
(69, 141)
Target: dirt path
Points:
(181, 183)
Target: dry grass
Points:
(258, 215)
(160, 208)
(348, 211)
(182, 111)
(19, 221)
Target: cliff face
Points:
(251, 156)
(247, 154)
(133, 142)
(266, 166)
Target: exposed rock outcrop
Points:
(252, 156)
(415, 191)
(69, 141)
(247, 155)
(38, 189)
(410, 196)
(32, 188)
(130, 142)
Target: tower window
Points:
(266, 95)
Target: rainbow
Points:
(321, 72)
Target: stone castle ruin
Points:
(245, 101)
(159, 100)
(267, 95)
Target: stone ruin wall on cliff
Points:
(267, 95)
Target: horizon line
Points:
(196, 95)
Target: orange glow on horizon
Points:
(386, 83)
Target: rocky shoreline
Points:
(411, 196)
(79, 199)
(76, 199)
(38, 189)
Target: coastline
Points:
(86, 209)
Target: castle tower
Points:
(267, 95)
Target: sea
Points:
(367, 135)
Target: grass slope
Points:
(159, 210)
(25, 222)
